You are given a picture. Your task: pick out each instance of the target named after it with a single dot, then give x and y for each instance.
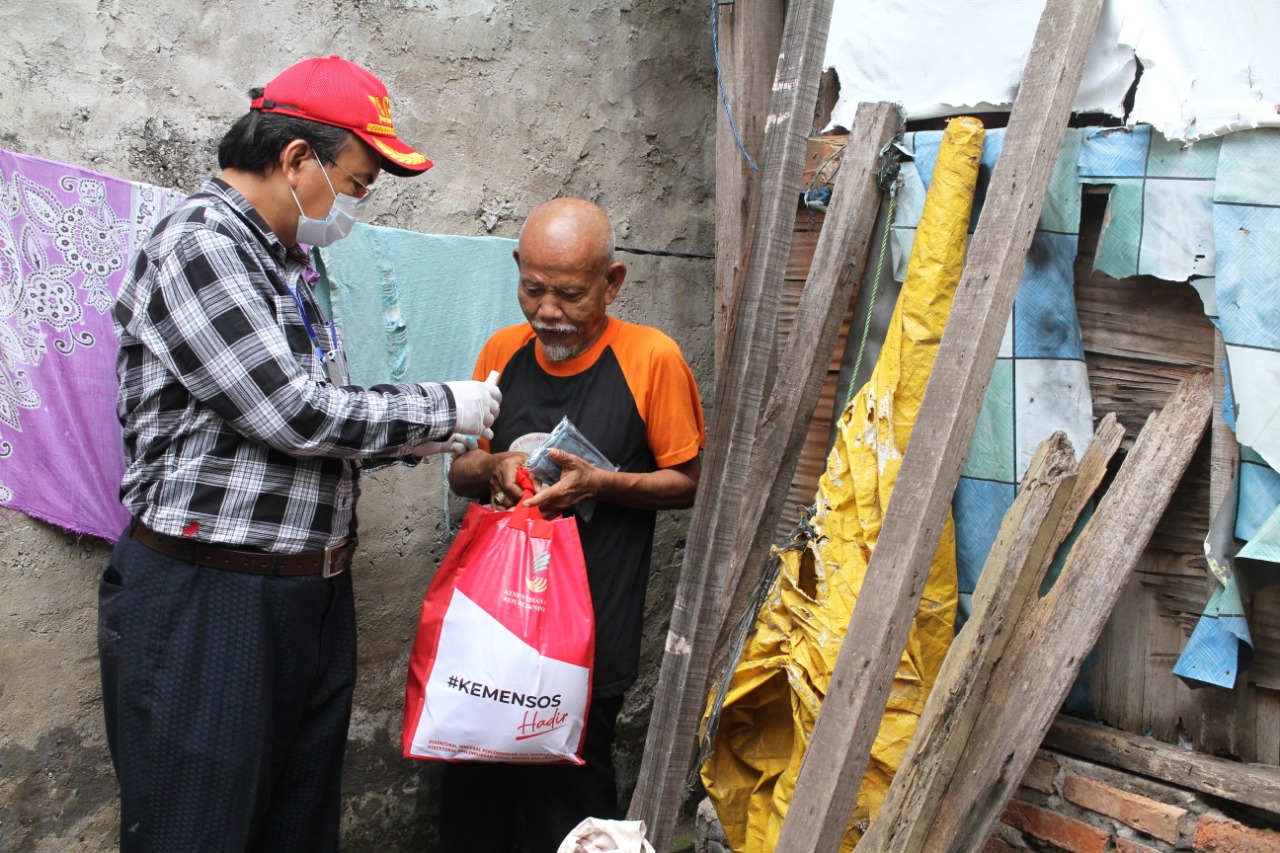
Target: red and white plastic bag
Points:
(501, 666)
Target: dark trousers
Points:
(507, 808)
(227, 700)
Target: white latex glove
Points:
(455, 445)
(477, 404)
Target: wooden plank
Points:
(1160, 644)
(804, 242)
(1023, 549)
(1057, 631)
(840, 746)
(1265, 626)
(817, 445)
(1250, 784)
(1226, 450)
(1094, 463)
(1131, 388)
(823, 159)
(1186, 523)
(806, 358)
(1267, 726)
(1144, 318)
(1116, 680)
(749, 36)
(811, 461)
(1217, 728)
(1247, 721)
(700, 593)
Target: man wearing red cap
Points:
(225, 620)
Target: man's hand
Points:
(455, 445)
(477, 405)
(504, 491)
(579, 481)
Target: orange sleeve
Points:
(665, 393)
(495, 354)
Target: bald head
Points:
(568, 275)
(570, 228)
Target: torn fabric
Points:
(1208, 68)
(1159, 218)
(66, 238)
(417, 307)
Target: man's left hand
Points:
(579, 481)
(455, 445)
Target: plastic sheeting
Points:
(776, 690)
(1039, 384)
(1208, 68)
(887, 52)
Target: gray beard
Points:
(556, 353)
(559, 352)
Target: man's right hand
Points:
(504, 491)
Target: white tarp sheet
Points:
(1208, 67)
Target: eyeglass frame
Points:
(369, 189)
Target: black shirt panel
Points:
(617, 541)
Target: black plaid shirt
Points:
(232, 432)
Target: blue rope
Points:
(724, 97)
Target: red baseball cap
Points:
(336, 91)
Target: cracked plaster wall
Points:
(516, 102)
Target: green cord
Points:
(871, 303)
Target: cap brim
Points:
(397, 158)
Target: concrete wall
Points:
(516, 102)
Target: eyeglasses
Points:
(367, 189)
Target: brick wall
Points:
(1065, 804)
(1072, 805)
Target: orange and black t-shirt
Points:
(633, 396)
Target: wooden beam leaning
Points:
(1056, 632)
(838, 262)
(748, 35)
(1252, 784)
(1090, 474)
(841, 743)
(669, 748)
(1018, 556)
(1051, 498)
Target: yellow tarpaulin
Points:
(776, 690)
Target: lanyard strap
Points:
(306, 321)
(334, 365)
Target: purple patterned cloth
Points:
(66, 237)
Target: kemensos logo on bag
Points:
(521, 694)
(507, 697)
(540, 577)
(537, 581)
(545, 718)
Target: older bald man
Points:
(628, 389)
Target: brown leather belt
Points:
(327, 563)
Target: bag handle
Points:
(540, 528)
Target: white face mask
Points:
(342, 216)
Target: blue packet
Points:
(565, 436)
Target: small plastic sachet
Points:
(565, 436)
